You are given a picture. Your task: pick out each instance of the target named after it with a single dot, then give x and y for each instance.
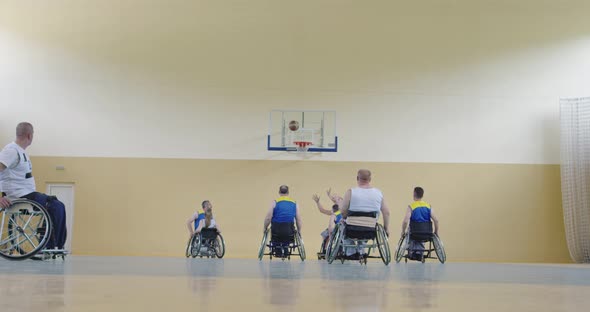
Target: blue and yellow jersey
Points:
(201, 216)
(285, 210)
(338, 216)
(420, 211)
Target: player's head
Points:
(418, 193)
(206, 205)
(363, 176)
(335, 208)
(24, 133)
(283, 190)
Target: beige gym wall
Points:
(126, 206)
(141, 100)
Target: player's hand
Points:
(4, 202)
(316, 198)
(329, 192)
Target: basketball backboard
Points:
(289, 126)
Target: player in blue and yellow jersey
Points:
(419, 211)
(282, 216)
(193, 222)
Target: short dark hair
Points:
(418, 192)
(335, 208)
(205, 202)
(284, 189)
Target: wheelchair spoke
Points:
(26, 225)
(41, 219)
(401, 248)
(12, 236)
(30, 241)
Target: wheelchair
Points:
(209, 243)
(421, 232)
(281, 246)
(322, 253)
(360, 228)
(25, 230)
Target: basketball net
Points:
(302, 146)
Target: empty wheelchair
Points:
(208, 243)
(359, 231)
(420, 234)
(25, 229)
(282, 241)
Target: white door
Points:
(65, 193)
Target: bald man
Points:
(365, 198)
(16, 181)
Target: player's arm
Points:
(385, 213)
(8, 158)
(201, 226)
(331, 224)
(316, 199)
(435, 221)
(5, 157)
(336, 199)
(298, 219)
(406, 220)
(346, 203)
(189, 224)
(4, 202)
(268, 217)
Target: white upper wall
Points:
(431, 81)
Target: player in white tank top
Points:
(365, 198)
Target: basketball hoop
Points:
(302, 146)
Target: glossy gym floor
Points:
(172, 284)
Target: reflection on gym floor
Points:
(164, 284)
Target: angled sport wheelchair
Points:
(420, 233)
(208, 243)
(25, 229)
(360, 230)
(282, 241)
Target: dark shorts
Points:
(282, 232)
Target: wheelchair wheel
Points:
(196, 245)
(25, 229)
(335, 243)
(219, 245)
(323, 248)
(402, 246)
(328, 248)
(383, 245)
(439, 248)
(263, 244)
(187, 253)
(300, 246)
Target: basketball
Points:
(294, 125)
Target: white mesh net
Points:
(575, 175)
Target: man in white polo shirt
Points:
(16, 181)
(364, 198)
